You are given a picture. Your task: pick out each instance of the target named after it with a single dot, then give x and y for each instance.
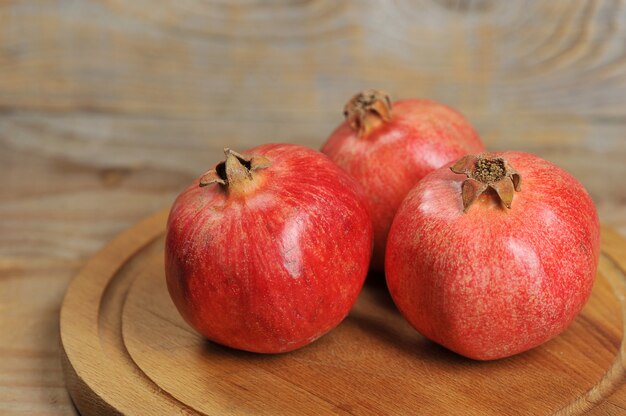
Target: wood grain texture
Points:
(127, 350)
(109, 107)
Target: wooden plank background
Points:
(109, 107)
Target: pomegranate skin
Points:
(420, 136)
(493, 282)
(273, 268)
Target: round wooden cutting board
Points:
(125, 349)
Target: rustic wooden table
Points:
(108, 108)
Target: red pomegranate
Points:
(268, 251)
(389, 148)
(493, 255)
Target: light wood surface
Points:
(126, 349)
(108, 108)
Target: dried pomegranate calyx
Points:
(366, 110)
(486, 171)
(236, 169)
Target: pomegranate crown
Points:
(366, 110)
(487, 171)
(236, 172)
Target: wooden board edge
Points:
(84, 395)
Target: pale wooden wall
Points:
(109, 107)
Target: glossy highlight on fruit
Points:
(388, 147)
(268, 251)
(494, 254)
